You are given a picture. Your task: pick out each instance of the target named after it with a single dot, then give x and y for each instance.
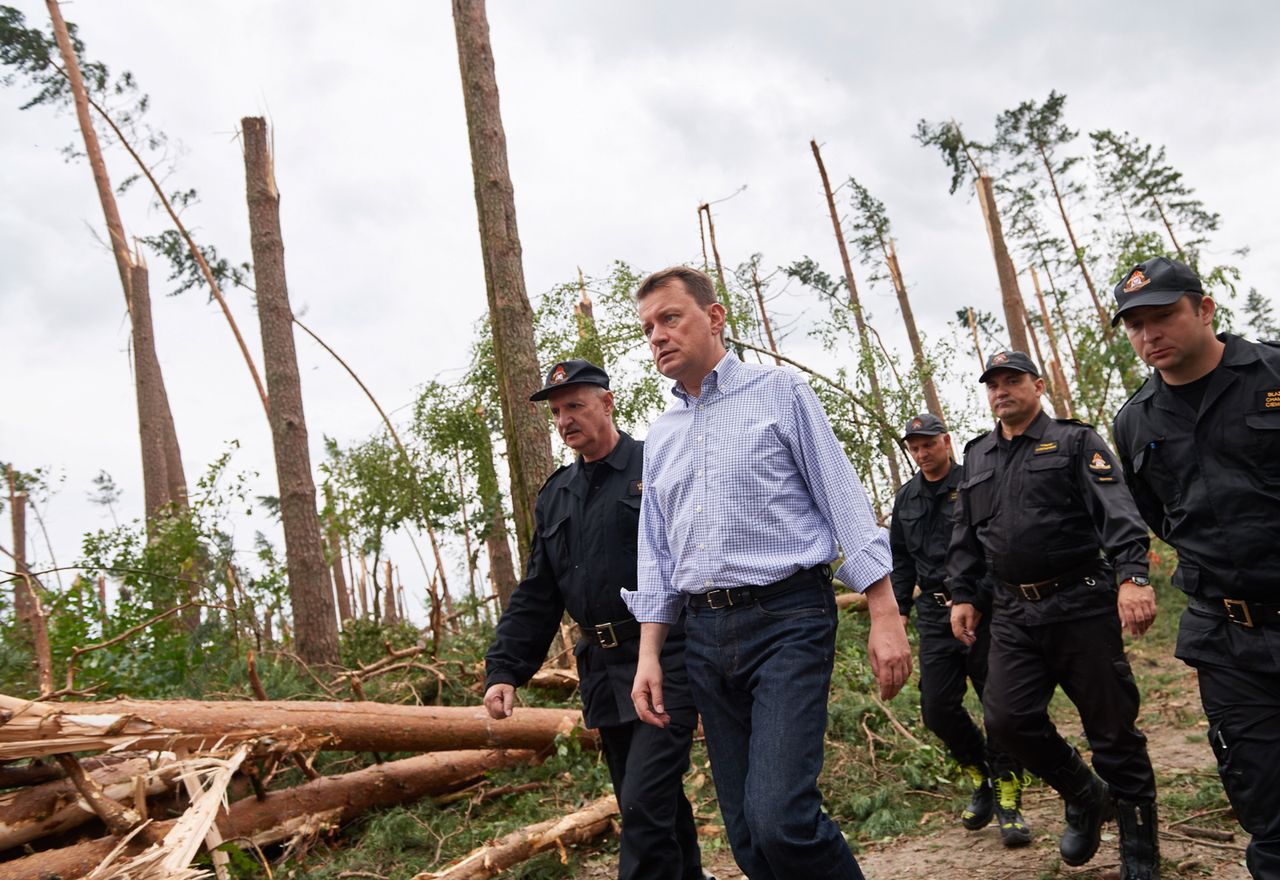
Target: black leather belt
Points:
(1242, 612)
(734, 597)
(937, 592)
(1038, 590)
(611, 635)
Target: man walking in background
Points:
(918, 536)
(748, 497)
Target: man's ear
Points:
(716, 313)
(1207, 310)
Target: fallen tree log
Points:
(306, 809)
(55, 807)
(487, 861)
(560, 680)
(856, 601)
(37, 774)
(33, 729)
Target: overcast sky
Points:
(620, 119)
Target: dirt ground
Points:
(941, 848)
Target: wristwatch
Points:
(1140, 581)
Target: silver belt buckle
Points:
(612, 641)
(711, 602)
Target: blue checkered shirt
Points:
(746, 484)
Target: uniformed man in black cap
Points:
(1200, 446)
(918, 536)
(584, 551)
(1043, 507)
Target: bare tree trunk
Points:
(501, 565)
(389, 598)
(174, 483)
(1052, 388)
(310, 591)
(715, 255)
(1076, 250)
(764, 316)
(466, 525)
(26, 595)
(339, 577)
(931, 398)
(1059, 375)
(364, 590)
(1009, 293)
(102, 603)
(1168, 227)
(149, 385)
(977, 346)
(510, 315)
(854, 303)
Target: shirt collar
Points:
(618, 457)
(721, 378)
(1237, 353)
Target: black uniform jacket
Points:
(1041, 506)
(1208, 482)
(923, 515)
(584, 552)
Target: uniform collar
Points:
(618, 457)
(1035, 430)
(1238, 353)
(920, 486)
(721, 378)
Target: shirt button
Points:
(707, 582)
(699, 438)
(701, 546)
(699, 406)
(698, 509)
(699, 471)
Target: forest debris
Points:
(487, 861)
(313, 806)
(45, 728)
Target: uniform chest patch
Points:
(635, 487)
(953, 494)
(1046, 447)
(1269, 399)
(1098, 463)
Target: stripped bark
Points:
(510, 315)
(1010, 296)
(27, 606)
(977, 346)
(487, 861)
(340, 591)
(854, 303)
(36, 729)
(326, 803)
(310, 592)
(119, 819)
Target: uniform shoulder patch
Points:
(1098, 462)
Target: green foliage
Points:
(1258, 309)
(184, 271)
(961, 155)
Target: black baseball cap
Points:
(575, 372)
(1158, 281)
(1009, 360)
(926, 423)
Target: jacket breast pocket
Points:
(1150, 467)
(556, 538)
(978, 496)
(628, 513)
(1263, 440)
(1047, 482)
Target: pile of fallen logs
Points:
(110, 764)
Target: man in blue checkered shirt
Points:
(748, 496)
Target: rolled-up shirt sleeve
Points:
(837, 493)
(655, 599)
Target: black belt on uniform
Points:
(611, 635)
(733, 597)
(1034, 592)
(1242, 612)
(937, 592)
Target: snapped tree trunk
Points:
(149, 387)
(310, 592)
(34, 631)
(332, 801)
(864, 339)
(1059, 374)
(1009, 294)
(54, 728)
(159, 418)
(339, 575)
(1076, 250)
(764, 315)
(510, 315)
(932, 401)
(492, 859)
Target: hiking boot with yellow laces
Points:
(981, 804)
(1013, 828)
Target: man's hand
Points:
(964, 622)
(1137, 607)
(646, 693)
(887, 645)
(498, 699)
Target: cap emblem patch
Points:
(1000, 358)
(1098, 463)
(558, 375)
(916, 423)
(1136, 281)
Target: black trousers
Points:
(947, 666)
(659, 839)
(1086, 657)
(1244, 729)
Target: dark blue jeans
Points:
(760, 675)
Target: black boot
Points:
(1088, 805)
(981, 803)
(1139, 842)
(1013, 828)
